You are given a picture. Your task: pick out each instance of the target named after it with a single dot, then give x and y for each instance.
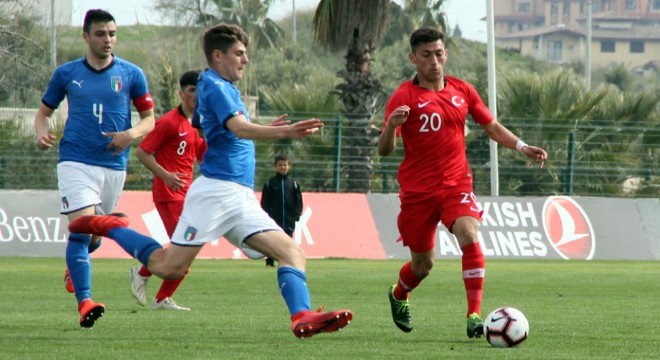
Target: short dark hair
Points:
(281, 157)
(425, 36)
(96, 16)
(189, 78)
(222, 37)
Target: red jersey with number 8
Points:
(176, 145)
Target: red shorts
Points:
(420, 214)
(169, 212)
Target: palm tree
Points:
(355, 26)
(606, 127)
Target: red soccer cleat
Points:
(68, 284)
(98, 224)
(89, 313)
(309, 323)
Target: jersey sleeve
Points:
(139, 87)
(153, 140)
(476, 106)
(225, 106)
(56, 91)
(201, 149)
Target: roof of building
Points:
(634, 32)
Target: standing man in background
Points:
(169, 152)
(429, 114)
(94, 148)
(281, 198)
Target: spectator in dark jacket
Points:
(281, 199)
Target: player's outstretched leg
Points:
(89, 313)
(98, 224)
(400, 311)
(308, 323)
(475, 326)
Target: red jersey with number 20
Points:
(176, 145)
(434, 133)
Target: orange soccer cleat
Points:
(89, 313)
(98, 224)
(68, 284)
(309, 323)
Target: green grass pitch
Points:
(576, 309)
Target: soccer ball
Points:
(506, 327)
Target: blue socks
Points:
(293, 286)
(135, 244)
(80, 268)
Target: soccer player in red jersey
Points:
(169, 152)
(429, 114)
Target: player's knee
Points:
(422, 267)
(294, 256)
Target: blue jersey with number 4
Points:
(99, 102)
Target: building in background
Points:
(623, 31)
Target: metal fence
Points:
(585, 159)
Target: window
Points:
(631, 5)
(566, 8)
(554, 12)
(607, 46)
(524, 7)
(655, 5)
(554, 50)
(637, 47)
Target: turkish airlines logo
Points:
(568, 228)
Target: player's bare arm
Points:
(387, 139)
(123, 139)
(247, 130)
(173, 180)
(45, 140)
(505, 137)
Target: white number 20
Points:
(430, 123)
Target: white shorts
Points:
(215, 208)
(83, 185)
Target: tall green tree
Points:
(355, 26)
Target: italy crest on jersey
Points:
(115, 83)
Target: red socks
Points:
(168, 287)
(407, 282)
(144, 272)
(473, 276)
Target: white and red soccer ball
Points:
(506, 327)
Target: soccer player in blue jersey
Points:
(221, 202)
(94, 148)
